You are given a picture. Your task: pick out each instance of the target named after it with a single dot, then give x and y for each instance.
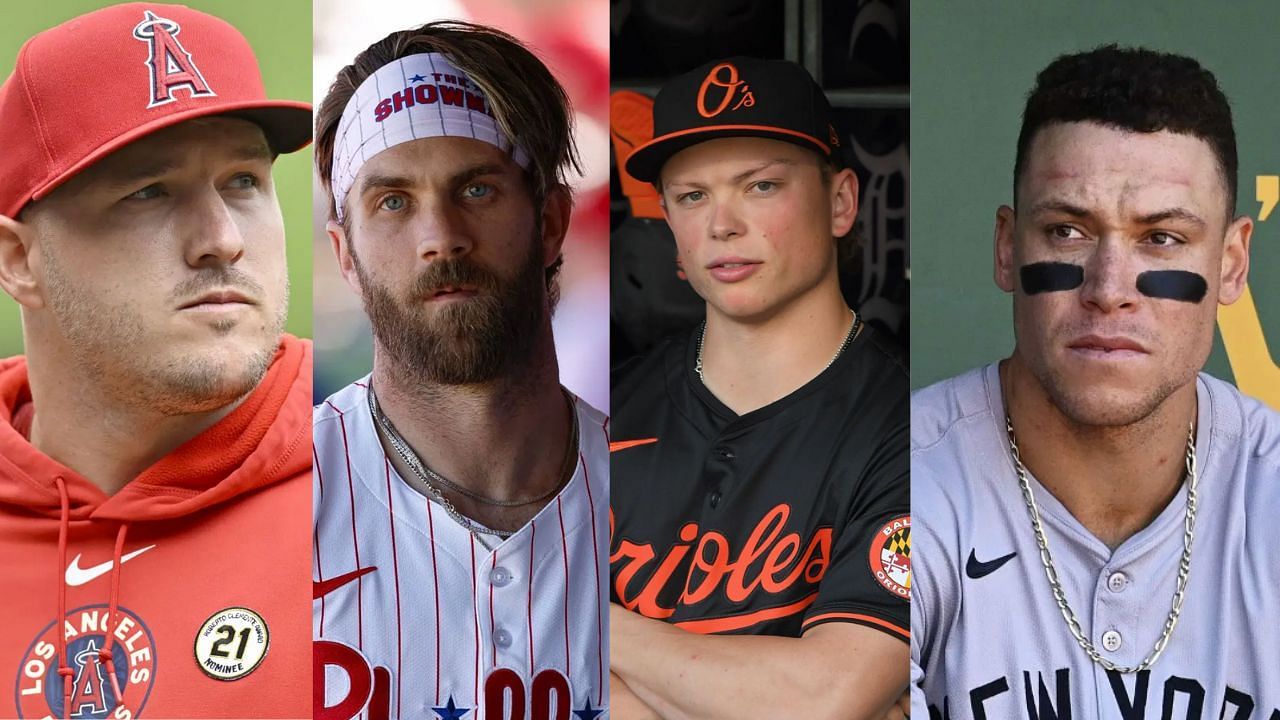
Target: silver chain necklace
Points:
(848, 337)
(1184, 564)
(425, 475)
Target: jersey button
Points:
(714, 498)
(502, 638)
(1111, 640)
(1117, 582)
(725, 453)
(500, 577)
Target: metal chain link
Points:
(848, 337)
(424, 474)
(1051, 571)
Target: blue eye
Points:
(246, 181)
(690, 197)
(477, 191)
(393, 203)
(764, 186)
(149, 192)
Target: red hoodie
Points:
(205, 611)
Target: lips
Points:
(1107, 345)
(216, 298)
(732, 268)
(445, 292)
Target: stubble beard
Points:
(474, 341)
(108, 342)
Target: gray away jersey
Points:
(987, 637)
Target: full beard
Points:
(473, 341)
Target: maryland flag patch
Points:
(890, 557)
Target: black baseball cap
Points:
(736, 97)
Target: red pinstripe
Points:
(395, 568)
(475, 610)
(564, 550)
(342, 422)
(595, 554)
(533, 536)
(493, 645)
(315, 463)
(435, 583)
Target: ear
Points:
(555, 222)
(1004, 269)
(342, 253)
(1235, 260)
(844, 202)
(17, 276)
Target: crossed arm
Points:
(836, 671)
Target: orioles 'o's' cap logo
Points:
(729, 88)
(890, 557)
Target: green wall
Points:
(972, 65)
(280, 32)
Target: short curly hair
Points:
(1133, 89)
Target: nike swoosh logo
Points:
(624, 444)
(975, 569)
(77, 575)
(321, 588)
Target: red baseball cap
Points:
(96, 83)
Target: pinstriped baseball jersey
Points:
(987, 637)
(414, 617)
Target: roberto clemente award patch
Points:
(232, 643)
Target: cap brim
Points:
(285, 123)
(645, 162)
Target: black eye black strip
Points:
(1179, 285)
(1044, 277)
(1173, 285)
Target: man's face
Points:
(754, 221)
(1143, 217)
(164, 267)
(444, 246)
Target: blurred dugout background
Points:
(571, 37)
(856, 50)
(280, 36)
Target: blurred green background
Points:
(971, 69)
(280, 32)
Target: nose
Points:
(214, 235)
(725, 222)
(1110, 278)
(443, 231)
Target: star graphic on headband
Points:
(588, 713)
(451, 711)
(417, 78)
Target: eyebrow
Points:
(157, 166)
(401, 182)
(1155, 218)
(745, 173)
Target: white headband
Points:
(418, 96)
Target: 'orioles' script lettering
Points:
(771, 561)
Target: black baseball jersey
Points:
(767, 523)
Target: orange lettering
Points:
(730, 86)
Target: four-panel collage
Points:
(574, 360)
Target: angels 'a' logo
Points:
(170, 64)
(95, 694)
(891, 556)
